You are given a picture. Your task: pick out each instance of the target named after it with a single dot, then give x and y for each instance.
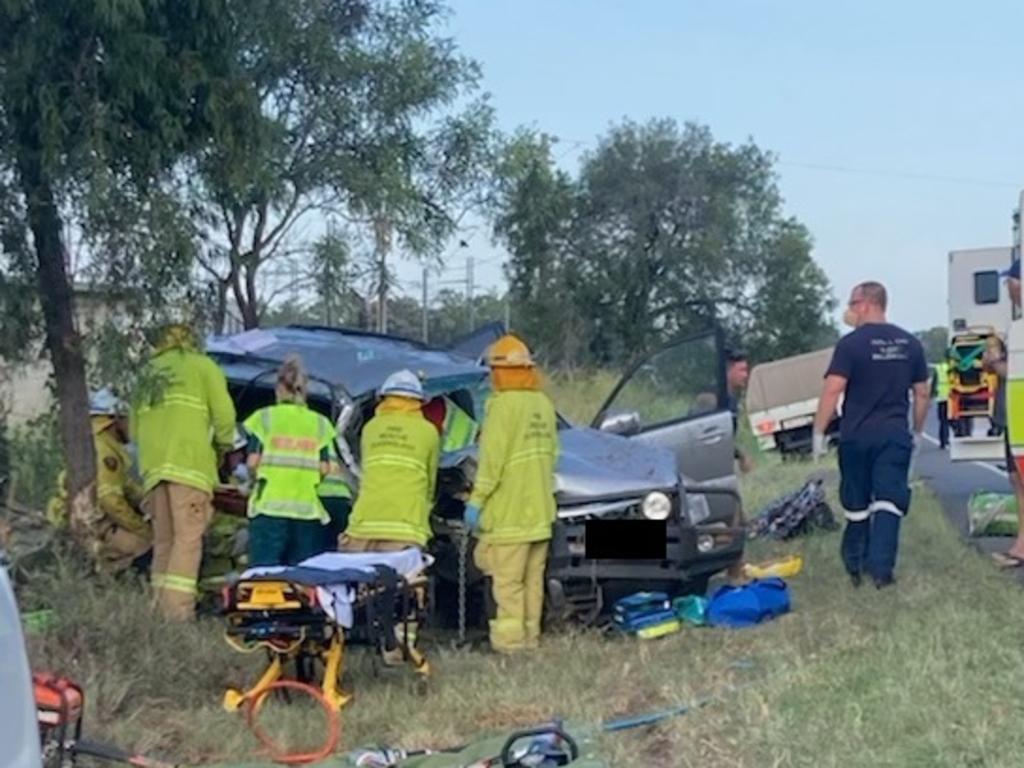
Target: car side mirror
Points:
(621, 423)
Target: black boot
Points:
(884, 581)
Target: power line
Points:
(892, 173)
(898, 174)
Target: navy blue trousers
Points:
(875, 493)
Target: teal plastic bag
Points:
(692, 609)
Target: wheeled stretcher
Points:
(304, 616)
(972, 389)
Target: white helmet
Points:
(403, 384)
(102, 402)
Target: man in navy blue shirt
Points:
(873, 368)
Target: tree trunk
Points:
(247, 311)
(382, 242)
(221, 309)
(63, 343)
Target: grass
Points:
(921, 675)
(579, 395)
(925, 674)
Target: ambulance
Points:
(979, 315)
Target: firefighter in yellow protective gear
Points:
(512, 506)
(181, 422)
(400, 450)
(119, 536)
(289, 453)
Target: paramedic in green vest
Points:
(336, 498)
(289, 455)
(399, 452)
(940, 391)
(456, 427)
(180, 425)
(512, 506)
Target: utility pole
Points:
(469, 293)
(426, 312)
(382, 241)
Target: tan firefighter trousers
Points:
(180, 515)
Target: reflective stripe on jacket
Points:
(515, 481)
(399, 457)
(334, 485)
(178, 425)
(292, 437)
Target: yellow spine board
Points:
(659, 630)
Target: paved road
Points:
(954, 482)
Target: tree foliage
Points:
(362, 109)
(935, 342)
(663, 231)
(96, 98)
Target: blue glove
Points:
(471, 516)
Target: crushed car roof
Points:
(356, 361)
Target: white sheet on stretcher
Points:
(337, 599)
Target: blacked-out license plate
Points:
(626, 540)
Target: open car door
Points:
(676, 399)
(473, 345)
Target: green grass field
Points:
(924, 674)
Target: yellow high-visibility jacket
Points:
(515, 480)
(399, 456)
(180, 426)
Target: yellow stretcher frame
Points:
(270, 597)
(988, 382)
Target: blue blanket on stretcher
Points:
(336, 575)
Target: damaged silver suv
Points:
(646, 494)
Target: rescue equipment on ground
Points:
(691, 609)
(782, 568)
(277, 753)
(549, 745)
(645, 614)
(306, 614)
(796, 513)
(992, 514)
(972, 389)
(737, 607)
(60, 704)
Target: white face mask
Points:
(850, 318)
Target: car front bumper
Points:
(684, 560)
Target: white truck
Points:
(782, 399)
(977, 302)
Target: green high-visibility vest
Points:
(459, 429)
(334, 485)
(942, 382)
(288, 476)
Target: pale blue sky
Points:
(907, 89)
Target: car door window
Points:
(680, 382)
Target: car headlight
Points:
(656, 506)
